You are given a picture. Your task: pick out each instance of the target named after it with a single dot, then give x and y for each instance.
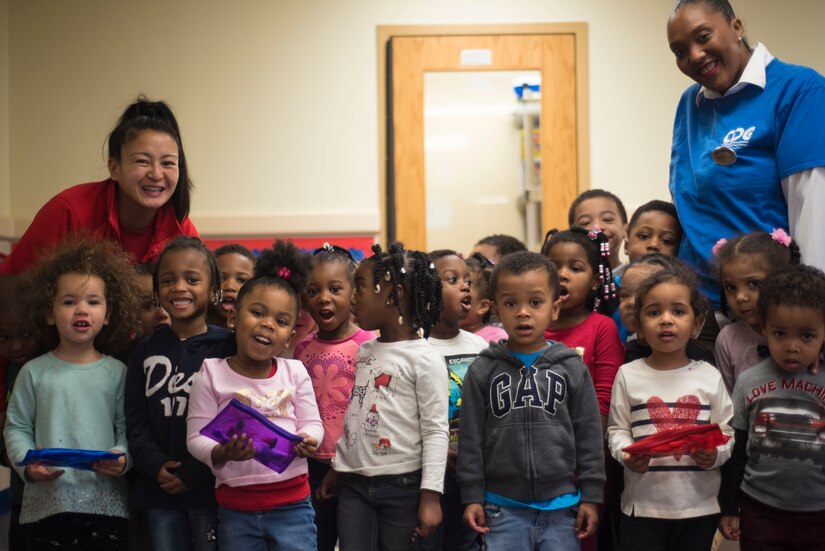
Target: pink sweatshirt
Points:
(286, 399)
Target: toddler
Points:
(773, 489)
(653, 228)
(743, 263)
(530, 458)
(258, 507)
(478, 319)
(604, 210)
(82, 297)
(493, 247)
(236, 264)
(668, 502)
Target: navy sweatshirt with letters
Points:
(157, 402)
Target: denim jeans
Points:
(288, 528)
(378, 513)
(183, 530)
(530, 529)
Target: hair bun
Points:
(285, 261)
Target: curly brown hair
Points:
(84, 254)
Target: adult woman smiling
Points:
(748, 147)
(143, 203)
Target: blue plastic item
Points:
(65, 457)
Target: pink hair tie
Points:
(594, 232)
(719, 245)
(781, 236)
(284, 272)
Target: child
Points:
(390, 459)
(743, 263)
(653, 228)
(635, 273)
(151, 314)
(773, 489)
(530, 452)
(579, 257)
(329, 357)
(259, 508)
(601, 209)
(175, 488)
(670, 502)
(17, 346)
(83, 297)
(304, 327)
(236, 264)
(495, 246)
(459, 349)
(481, 305)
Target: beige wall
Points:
(277, 99)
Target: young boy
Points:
(17, 346)
(653, 228)
(597, 207)
(531, 449)
(773, 487)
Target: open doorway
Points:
(413, 56)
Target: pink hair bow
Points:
(781, 236)
(719, 245)
(284, 272)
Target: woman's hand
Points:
(111, 467)
(429, 513)
(475, 519)
(636, 463)
(306, 447)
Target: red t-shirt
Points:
(92, 208)
(597, 341)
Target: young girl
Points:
(390, 460)
(743, 263)
(668, 503)
(236, 264)
(583, 261)
(83, 296)
(258, 507)
(176, 488)
(151, 314)
(329, 357)
(458, 349)
(773, 488)
(597, 208)
(481, 303)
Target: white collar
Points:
(754, 73)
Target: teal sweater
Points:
(56, 404)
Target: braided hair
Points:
(283, 266)
(597, 248)
(481, 269)
(415, 272)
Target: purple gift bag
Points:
(274, 447)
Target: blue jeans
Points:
(183, 530)
(530, 529)
(378, 512)
(288, 528)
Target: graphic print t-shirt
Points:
(458, 353)
(784, 414)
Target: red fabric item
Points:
(601, 349)
(679, 441)
(262, 497)
(91, 207)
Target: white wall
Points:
(277, 98)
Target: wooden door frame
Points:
(579, 31)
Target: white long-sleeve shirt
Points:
(396, 421)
